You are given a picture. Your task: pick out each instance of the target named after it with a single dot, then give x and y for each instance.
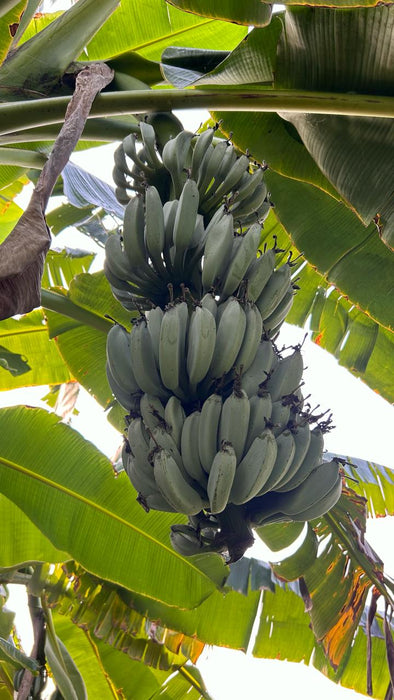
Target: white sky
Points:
(364, 423)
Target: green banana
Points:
(156, 501)
(185, 541)
(221, 477)
(185, 223)
(286, 376)
(280, 417)
(201, 341)
(260, 413)
(273, 292)
(175, 157)
(234, 421)
(143, 361)
(251, 339)
(243, 255)
(166, 126)
(171, 349)
(203, 142)
(251, 204)
(274, 321)
(229, 336)
(209, 169)
(323, 505)
(154, 231)
(319, 482)
(209, 430)
(217, 251)
(255, 468)
(209, 302)
(174, 416)
(189, 448)
(284, 457)
(154, 318)
(313, 457)
(302, 439)
(259, 272)
(119, 360)
(260, 368)
(143, 481)
(152, 411)
(149, 140)
(161, 438)
(173, 486)
(129, 401)
(139, 442)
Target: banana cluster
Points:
(222, 175)
(217, 425)
(256, 451)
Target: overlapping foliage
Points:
(331, 204)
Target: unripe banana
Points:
(171, 349)
(251, 339)
(166, 126)
(149, 140)
(259, 272)
(139, 441)
(243, 255)
(217, 251)
(175, 158)
(174, 416)
(286, 376)
(302, 439)
(173, 486)
(154, 230)
(261, 366)
(209, 302)
(284, 457)
(280, 417)
(323, 505)
(221, 477)
(185, 222)
(209, 430)
(273, 292)
(161, 438)
(209, 170)
(185, 542)
(234, 421)
(233, 177)
(156, 501)
(313, 457)
(202, 144)
(118, 358)
(115, 258)
(229, 336)
(142, 480)
(200, 345)
(275, 320)
(129, 401)
(255, 468)
(319, 482)
(189, 448)
(152, 411)
(260, 412)
(143, 361)
(154, 318)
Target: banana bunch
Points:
(217, 428)
(222, 176)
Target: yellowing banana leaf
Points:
(103, 671)
(39, 62)
(224, 620)
(27, 337)
(69, 491)
(372, 481)
(10, 12)
(252, 12)
(355, 154)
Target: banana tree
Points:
(299, 92)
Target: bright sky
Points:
(363, 429)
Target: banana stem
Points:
(235, 531)
(63, 305)
(32, 113)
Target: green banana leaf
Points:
(10, 12)
(61, 266)
(27, 338)
(68, 489)
(251, 13)
(39, 62)
(149, 39)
